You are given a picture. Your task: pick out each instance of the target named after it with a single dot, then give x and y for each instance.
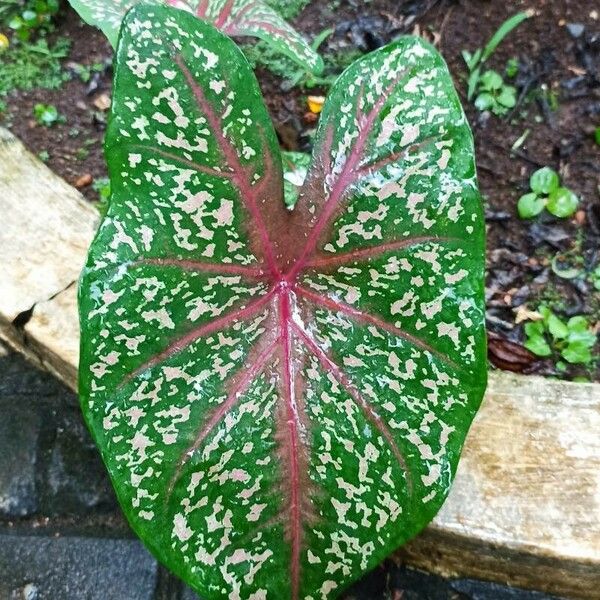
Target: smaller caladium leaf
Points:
(255, 19)
(107, 15)
(236, 18)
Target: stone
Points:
(74, 568)
(576, 29)
(398, 582)
(19, 431)
(189, 594)
(40, 264)
(49, 465)
(76, 479)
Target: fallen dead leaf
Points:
(509, 356)
(102, 102)
(522, 313)
(83, 181)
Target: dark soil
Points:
(75, 147)
(559, 79)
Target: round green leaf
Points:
(544, 181)
(534, 328)
(484, 101)
(562, 202)
(508, 96)
(530, 205)
(578, 323)
(558, 330)
(281, 397)
(583, 336)
(491, 81)
(538, 345)
(577, 353)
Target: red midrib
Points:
(347, 177)
(224, 14)
(238, 19)
(285, 317)
(342, 258)
(246, 192)
(203, 330)
(202, 8)
(205, 267)
(358, 315)
(283, 286)
(234, 397)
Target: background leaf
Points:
(107, 15)
(562, 202)
(544, 181)
(259, 20)
(234, 17)
(281, 396)
(530, 205)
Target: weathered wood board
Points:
(45, 229)
(525, 506)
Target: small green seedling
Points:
(84, 72)
(477, 59)
(102, 186)
(550, 336)
(597, 135)
(47, 115)
(546, 192)
(494, 94)
(36, 16)
(512, 67)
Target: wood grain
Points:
(45, 229)
(525, 506)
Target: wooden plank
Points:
(525, 506)
(46, 229)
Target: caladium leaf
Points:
(234, 17)
(281, 396)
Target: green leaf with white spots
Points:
(281, 396)
(236, 18)
(255, 19)
(107, 15)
